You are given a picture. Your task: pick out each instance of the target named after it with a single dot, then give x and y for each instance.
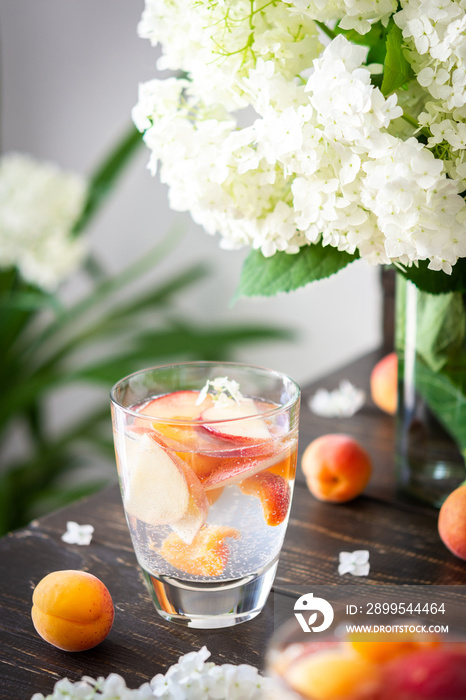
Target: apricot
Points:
(333, 675)
(452, 522)
(72, 610)
(384, 383)
(337, 468)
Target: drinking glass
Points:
(403, 660)
(206, 456)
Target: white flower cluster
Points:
(78, 534)
(354, 563)
(316, 162)
(358, 15)
(190, 679)
(218, 43)
(39, 205)
(222, 390)
(435, 32)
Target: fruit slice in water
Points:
(197, 510)
(207, 555)
(273, 492)
(156, 491)
(229, 426)
(179, 405)
(332, 675)
(234, 471)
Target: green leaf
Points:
(440, 328)
(437, 281)
(397, 70)
(445, 394)
(374, 39)
(106, 176)
(181, 342)
(30, 301)
(283, 272)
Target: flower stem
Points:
(326, 30)
(408, 118)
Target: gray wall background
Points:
(69, 76)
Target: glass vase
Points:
(431, 417)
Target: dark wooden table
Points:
(402, 539)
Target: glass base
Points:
(429, 465)
(210, 605)
(429, 482)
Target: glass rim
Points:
(198, 363)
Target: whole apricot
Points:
(337, 468)
(452, 522)
(72, 610)
(384, 383)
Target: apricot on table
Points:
(72, 610)
(337, 468)
(384, 383)
(452, 522)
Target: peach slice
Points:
(156, 491)
(198, 507)
(383, 647)
(273, 492)
(207, 555)
(430, 674)
(228, 425)
(233, 471)
(332, 675)
(178, 405)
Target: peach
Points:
(72, 610)
(384, 383)
(337, 468)
(452, 522)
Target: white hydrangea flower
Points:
(355, 563)
(192, 678)
(221, 389)
(39, 204)
(318, 155)
(342, 402)
(77, 534)
(354, 14)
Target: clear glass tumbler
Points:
(206, 455)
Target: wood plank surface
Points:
(402, 539)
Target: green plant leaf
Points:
(283, 272)
(374, 39)
(440, 328)
(397, 70)
(106, 176)
(183, 341)
(30, 301)
(445, 393)
(437, 281)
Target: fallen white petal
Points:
(355, 563)
(342, 402)
(78, 534)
